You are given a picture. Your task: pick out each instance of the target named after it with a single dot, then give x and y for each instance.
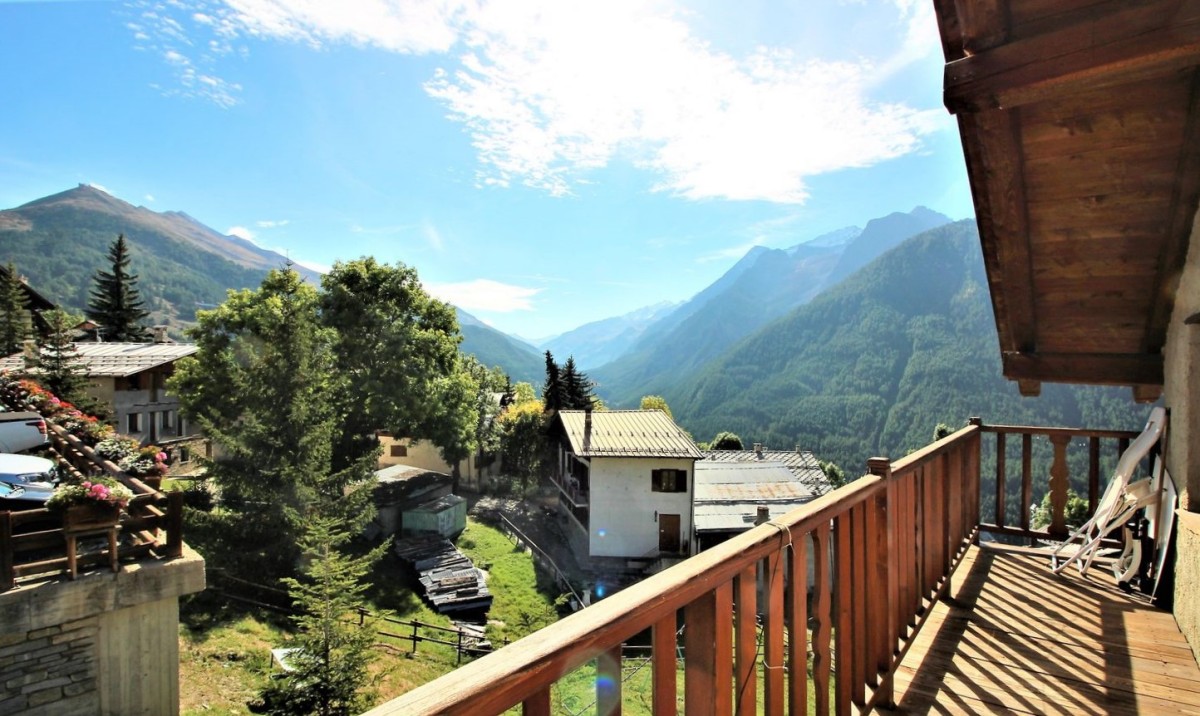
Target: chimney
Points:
(587, 427)
(764, 515)
(799, 451)
(160, 334)
(758, 448)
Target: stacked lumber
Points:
(450, 581)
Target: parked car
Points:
(15, 498)
(23, 430)
(28, 471)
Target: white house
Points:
(626, 482)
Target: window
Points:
(168, 419)
(134, 424)
(399, 451)
(668, 480)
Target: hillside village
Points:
(261, 488)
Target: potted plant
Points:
(90, 504)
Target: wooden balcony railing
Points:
(842, 584)
(33, 544)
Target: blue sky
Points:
(542, 164)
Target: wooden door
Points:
(668, 533)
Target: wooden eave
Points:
(1080, 123)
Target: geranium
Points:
(100, 490)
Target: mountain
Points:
(60, 241)
(871, 366)
(520, 360)
(764, 285)
(599, 342)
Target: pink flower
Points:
(161, 457)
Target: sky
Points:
(541, 163)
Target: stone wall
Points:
(51, 670)
(103, 644)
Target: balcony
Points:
(877, 595)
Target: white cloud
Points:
(550, 90)
(484, 295)
(101, 187)
(149, 198)
(241, 232)
(272, 224)
(311, 265)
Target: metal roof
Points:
(116, 360)
(626, 433)
(802, 463)
(728, 494)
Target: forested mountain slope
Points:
(871, 366)
(764, 285)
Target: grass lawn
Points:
(224, 646)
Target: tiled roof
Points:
(114, 360)
(626, 433)
(802, 463)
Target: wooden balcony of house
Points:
(880, 595)
(34, 545)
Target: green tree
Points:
(727, 441)
(397, 352)
(1076, 513)
(657, 402)
(115, 303)
(942, 430)
(263, 386)
(553, 395)
(58, 366)
(576, 387)
(15, 324)
(833, 473)
(523, 440)
(332, 651)
(523, 392)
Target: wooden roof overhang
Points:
(1080, 124)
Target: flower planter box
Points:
(89, 517)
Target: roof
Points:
(626, 433)
(802, 464)
(117, 360)
(1079, 123)
(728, 494)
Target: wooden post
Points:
(745, 613)
(664, 666)
(1026, 478)
(822, 584)
(1058, 486)
(1093, 474)
(414, 638)
(708, 661)
(797, 602)
(538, 704)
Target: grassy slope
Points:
(224, 647)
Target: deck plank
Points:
(1012, 637)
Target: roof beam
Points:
(1102, 369)
(1113, 42)
(993, 155)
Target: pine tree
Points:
(115, 304)
(553, 395)
(576, 387)
(332, 652)
(15, 324)
(58, 366)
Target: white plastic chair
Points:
(1121, 500)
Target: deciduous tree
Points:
(657, 402)
(727, 441)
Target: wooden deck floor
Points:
(1015, 638)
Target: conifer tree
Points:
(115, 303)
(58, 366)
(15, 324)
(553, 396)
(576, 387)
(332, 652)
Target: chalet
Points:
(1080, 124)
(803, 464)
(34, 301)
(625, 483)
(473, 471)
(130, 380)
